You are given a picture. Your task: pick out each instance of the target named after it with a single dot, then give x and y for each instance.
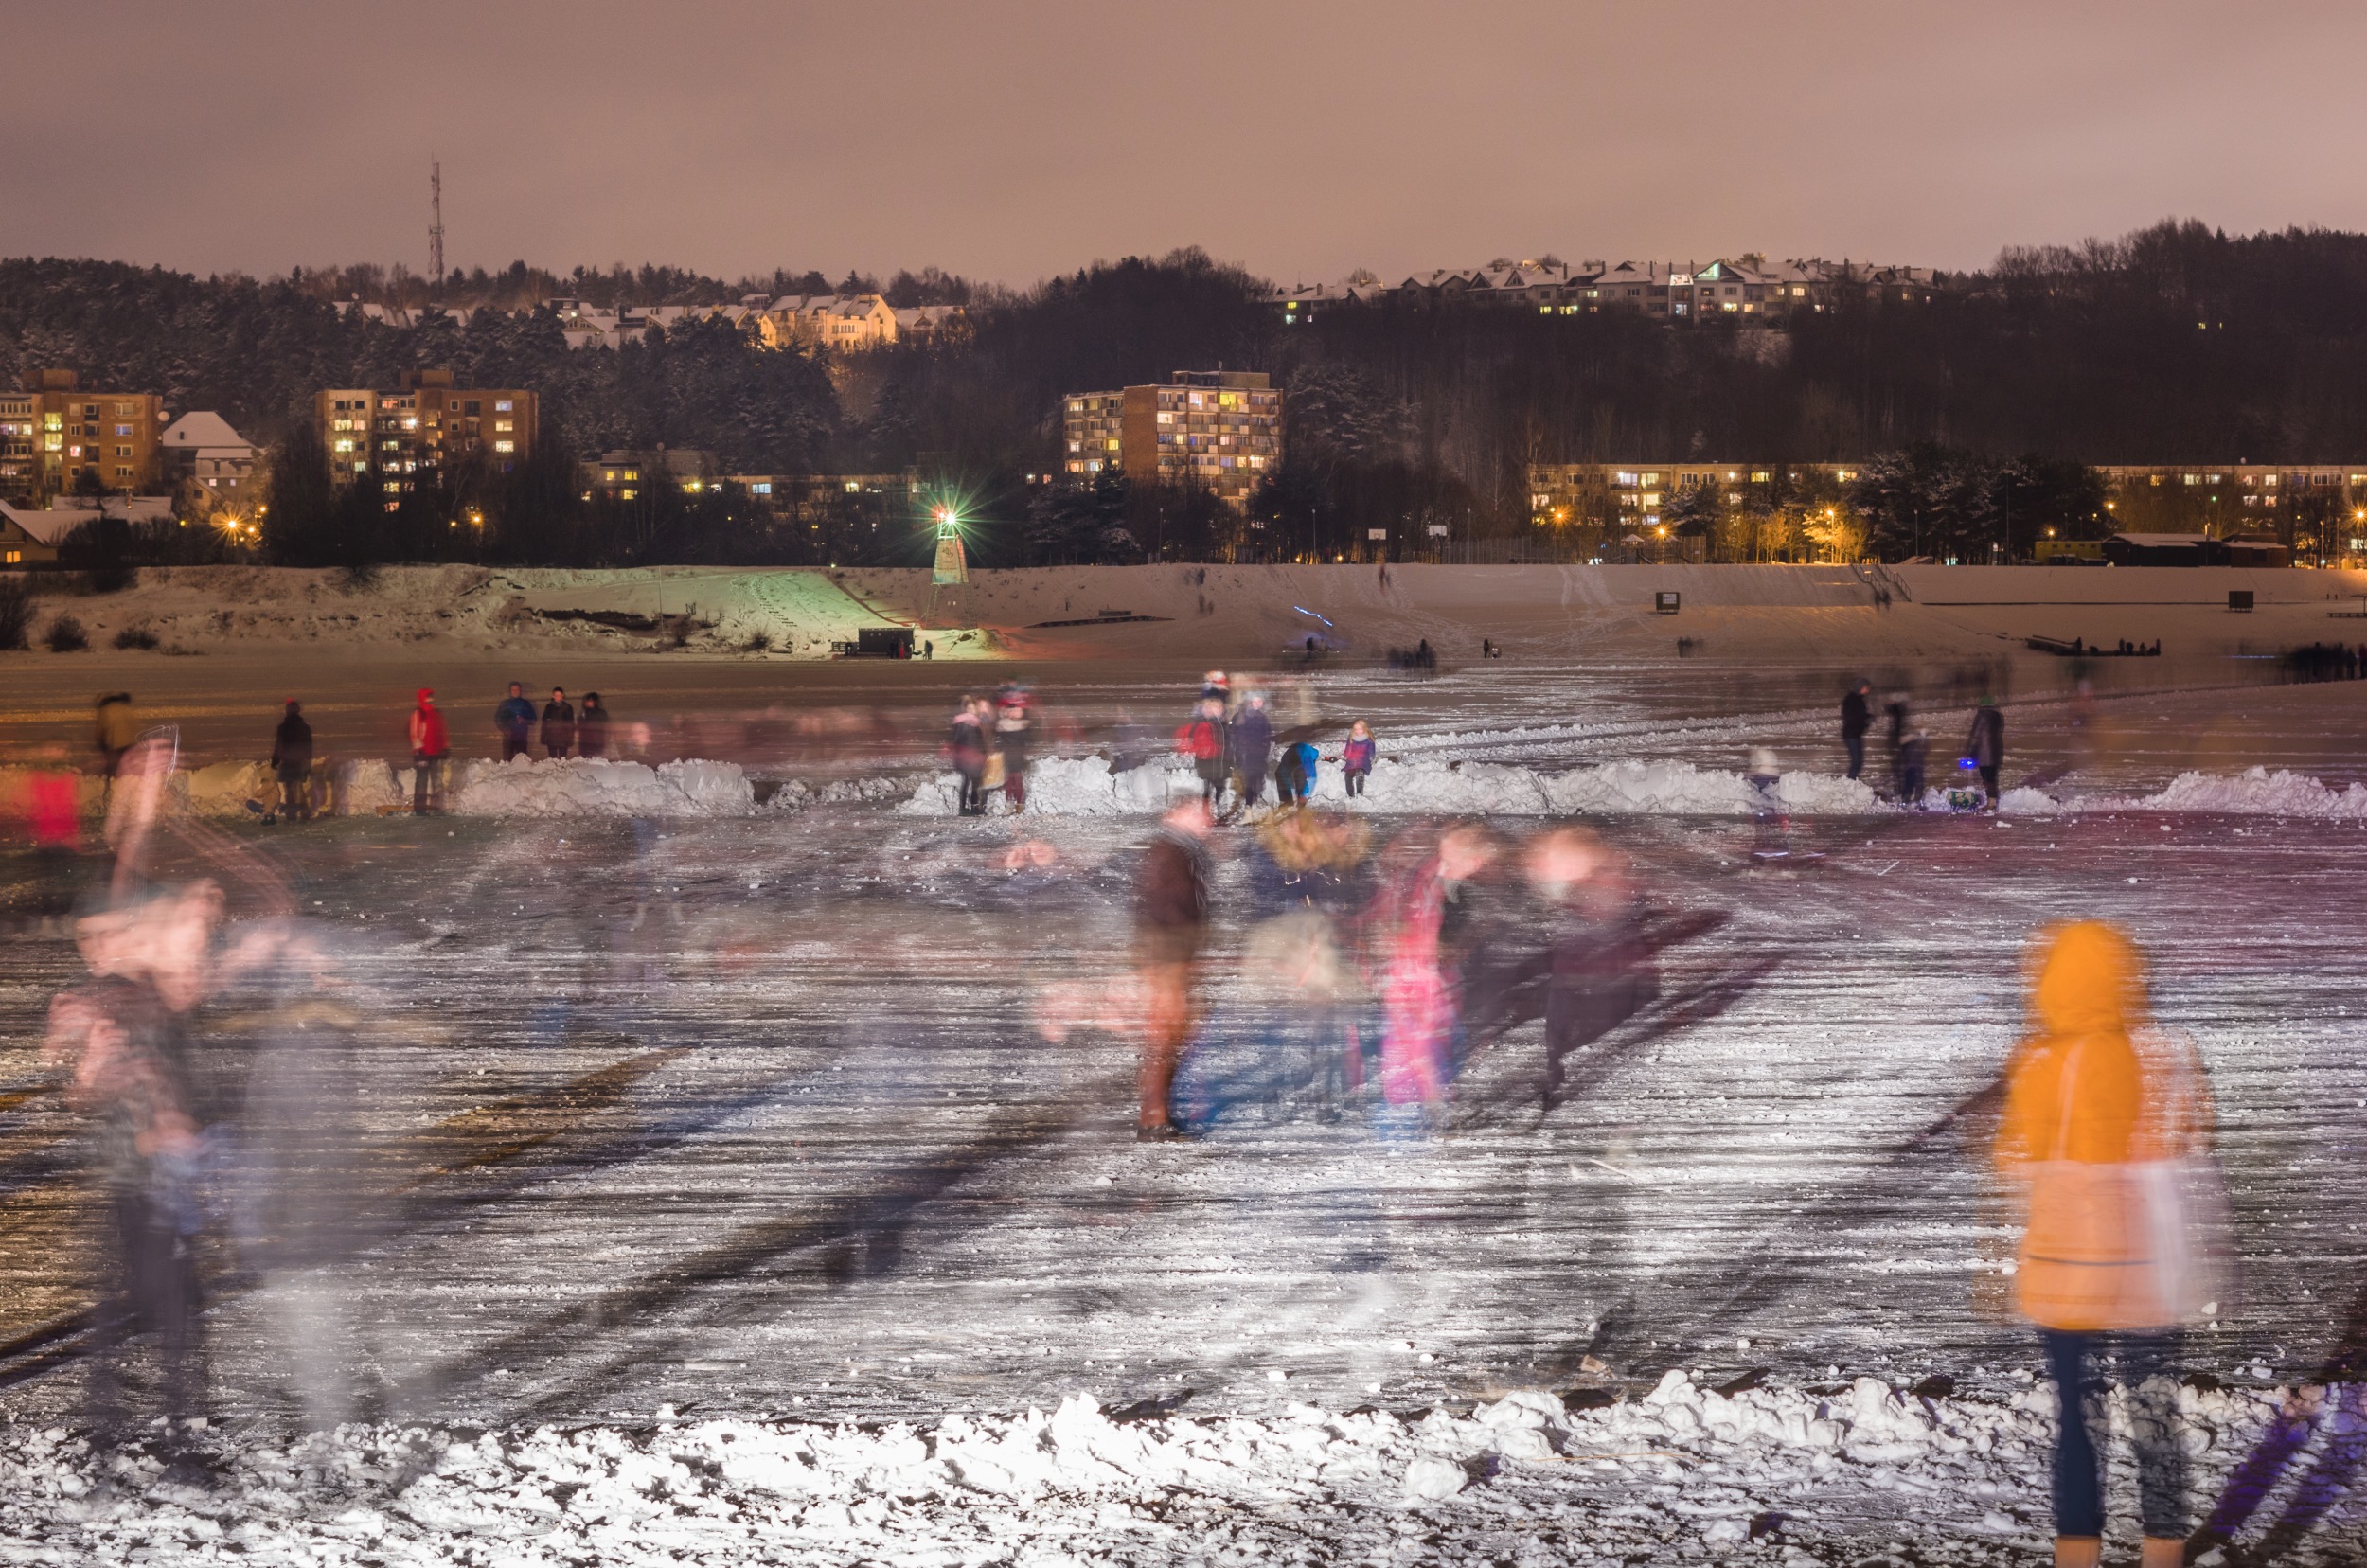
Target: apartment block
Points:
(1218, 429)
(1632, 494)
(52, 431)
(389, 439)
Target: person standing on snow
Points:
(1012, 725)
(1912, 752)
(1204, 738)
(1252, 748)
(592, 728)
(966, 748)
(559, 725)
(1986, 745)
(431, 754)
(1355, 757)
(1171, 906)
(514, 718)
(2098, 1110)
(292, 762)
(1857, 717)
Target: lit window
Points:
(1166, 418)
(505, 446)
(500, 405)
(503, 425)
(123, 429)
(764, 487)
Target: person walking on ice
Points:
(2105, 1143)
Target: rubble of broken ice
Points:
(1681, 1470)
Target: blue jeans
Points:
(2153, 1420)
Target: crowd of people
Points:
(1374, 979)
(1984, 755)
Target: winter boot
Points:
(2078, 1550)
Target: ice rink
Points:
(733, 1183)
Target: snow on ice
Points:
(1682, 1473)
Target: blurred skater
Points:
(1857, 717)
(430, 754)
(1355, 757)
(559, 725)
(1986, 745)
(514, 719)
(592, 728)
(49, 812)
(966, 748)
(1171, 908)
(2106, 1140)
(292, 762)
(1251, 748)
(122, 1038)
(1599, 970)
(118, 726)
(1429, 910)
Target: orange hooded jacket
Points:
(2083, 1104)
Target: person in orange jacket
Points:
(2100, 1117)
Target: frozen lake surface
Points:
(686, 1143)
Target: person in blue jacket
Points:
(515, 720)
(1294, 776)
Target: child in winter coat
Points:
(1356, 758)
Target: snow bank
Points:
(593, 787)
(1672, 1473)
(1086, 787)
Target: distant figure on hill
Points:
(592, 728)
(515, 720)
(559, 725)
(1857, 717)
(292, 762)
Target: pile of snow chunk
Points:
(1058, 786)
(1679, 1472)
(593, 787)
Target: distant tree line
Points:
(1970, 416)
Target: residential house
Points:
(201, 449)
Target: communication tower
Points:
(435, 227)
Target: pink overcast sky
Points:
(1008, 141)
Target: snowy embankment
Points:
(1679, 1474)
(1089, 787)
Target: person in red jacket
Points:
(1203, 739)
(430, 754)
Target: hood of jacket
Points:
(2089, 981)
